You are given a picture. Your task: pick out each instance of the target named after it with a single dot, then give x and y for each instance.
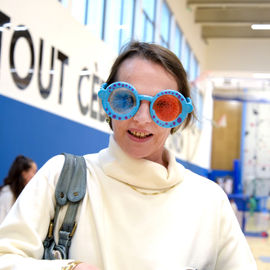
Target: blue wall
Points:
(40, 135)
(197, 169)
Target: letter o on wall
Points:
(21, 32)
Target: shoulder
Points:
(200, 180)
(49, 173)
(91, 157)
(51, 170)
(203, 187)
(5, 189)
(6, 194)
(54, 163)
(92, 160)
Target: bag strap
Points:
(70, 189)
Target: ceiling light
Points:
(261, 75)
(260, 26)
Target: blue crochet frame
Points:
(106, 90)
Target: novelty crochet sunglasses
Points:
(121, 101)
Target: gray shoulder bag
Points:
(70, 189)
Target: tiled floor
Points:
(260, 246)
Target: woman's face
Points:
(27, 175)
(140, 136)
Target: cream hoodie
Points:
(6, 201)
(136, 215)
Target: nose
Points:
(143, 113)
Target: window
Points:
(127, 21)
(113, 21)
(165, 25)
(64, 3)
(186, 57)
(94, 17)
(149, 12)
(118, 22)
(177, 48)
(193, 73)
(197, 100)
(78, 10)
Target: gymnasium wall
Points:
(51, 68)
(50, 73)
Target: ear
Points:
(24, 176)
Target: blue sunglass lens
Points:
(122, 100)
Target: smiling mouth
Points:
(140, 135)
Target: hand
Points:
(85, 266)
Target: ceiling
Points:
(231, 18)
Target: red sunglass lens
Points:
(167, 107)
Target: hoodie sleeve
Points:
(25, 227)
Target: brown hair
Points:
(160, 55)
(15, 179)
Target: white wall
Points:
(50, 21)
(243, 55)
(192, 32)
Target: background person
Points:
(142, 209)
(20, 173)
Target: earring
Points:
(108, 120)
(173, 130)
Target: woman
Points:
(142, 209)
(20, 173)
